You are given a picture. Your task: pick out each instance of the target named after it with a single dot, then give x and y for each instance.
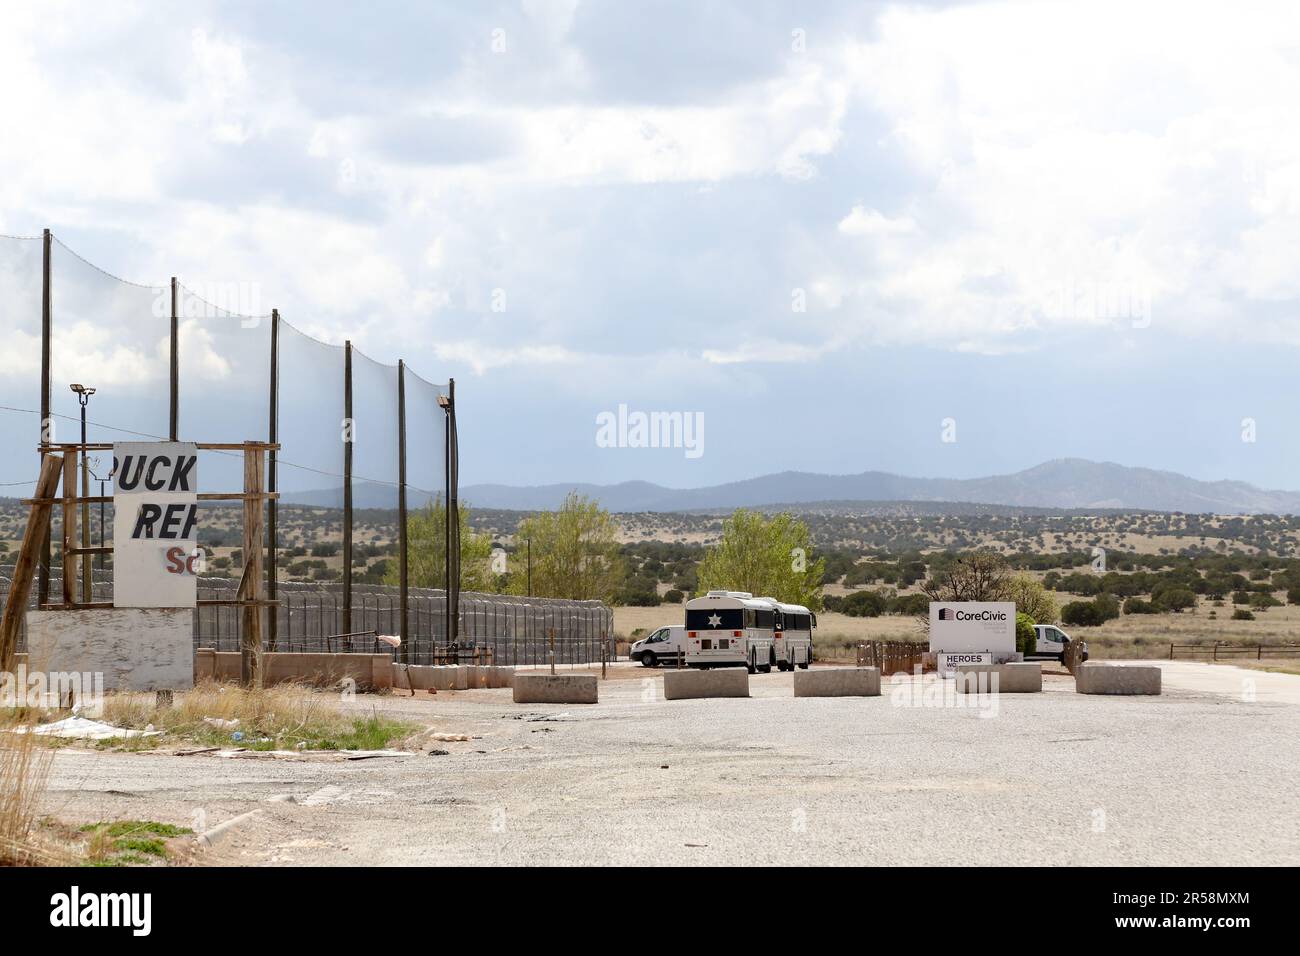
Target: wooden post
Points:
(70, 527)
(251, 584)
(34, 539)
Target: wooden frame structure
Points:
(63, 460)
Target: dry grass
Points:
(24, 769)
(282, 717)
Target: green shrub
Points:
(1082, 614)
(863, 604)
(1026, 636)
(1138, 606)
(1241, 614)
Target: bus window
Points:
(719, 619)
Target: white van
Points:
(1050, 641)
(664, 646)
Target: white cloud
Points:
(869, 222)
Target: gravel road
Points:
(1197, 776)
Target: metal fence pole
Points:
(174, 401)
(43, 577)
(272, 528)
(403, 630)
(349, 433)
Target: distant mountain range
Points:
(1064, 483)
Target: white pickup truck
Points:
(664, 646)
(1050, 642)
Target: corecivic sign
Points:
(155, 524)
(970, 626)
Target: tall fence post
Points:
(47, 425)
(174, 390)
(349, 435)
(272, 513)
(453, 512)
(403, 581)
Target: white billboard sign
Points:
(972, 626)
(155, 524)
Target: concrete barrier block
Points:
(460, 676)
(1026, 678)
(1098, 678)
(502, 677)
(555, 688)
(717, 682)
(381, 671)
(837, 682)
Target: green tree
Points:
(575, 553)
(1031, 598)
(426, 546)
(768, 557)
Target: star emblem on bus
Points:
(714, 620)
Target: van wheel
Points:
(803, 666)
(648, 659)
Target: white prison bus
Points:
(730, 629)
(793, 639)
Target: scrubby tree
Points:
(767, 556)
(575, 553)
(426, 549)
(978, 576)
(1031, 598)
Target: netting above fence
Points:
(210, 363)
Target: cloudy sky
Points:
(1070, 229)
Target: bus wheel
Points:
(803, 666)
(750, 666)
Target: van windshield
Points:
(719, 619)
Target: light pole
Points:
(451, 537)
(83, 397)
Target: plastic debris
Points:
(221, 723)
(82, 728)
